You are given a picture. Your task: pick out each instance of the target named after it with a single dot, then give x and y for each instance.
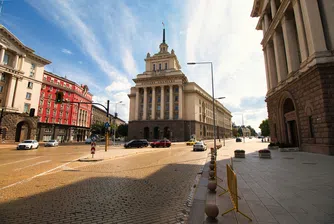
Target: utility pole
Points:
(106, 128)
(243, 133)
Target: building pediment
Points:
(12, 43)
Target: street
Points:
(48, 185)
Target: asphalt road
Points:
(48, 185)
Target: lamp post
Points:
(114, 122)
(213, 102)
(221, 98)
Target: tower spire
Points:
(163, 33)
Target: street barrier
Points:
(216, 178)
(233, 189)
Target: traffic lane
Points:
(151, 187)
(25, 164)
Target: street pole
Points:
(214, 112)
(224, 128)
(243, 133)
(106, 129)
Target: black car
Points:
(146, 142)
(136, 144)
(238, 140)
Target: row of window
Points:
(160, 67)
(64, 84)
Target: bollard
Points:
(211, 211)
(212, 185)
(212, 166)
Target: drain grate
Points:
(288, 158)
(310, 163)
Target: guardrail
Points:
(233, 190)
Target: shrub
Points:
(264, 151)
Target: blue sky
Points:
(103, 44)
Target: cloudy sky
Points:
(103, 44)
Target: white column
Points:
(300, 31)
(137, 105)
(16, 61)
(291, 44)
(22, 62)
(280, 56)
(2, 55)
(271, 65)
(267, 70)
(162, 103)
(273, 8)
(180, 102)
(171, 102)
(145, 104)
(153, 103)
(313, 26)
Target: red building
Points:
(67, 121)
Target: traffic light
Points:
(59, 97)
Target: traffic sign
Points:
(94, 139)
(106, 125)
(93, 144)
(92, 150)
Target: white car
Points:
(28, 144)
(200, 145)
(51, 143)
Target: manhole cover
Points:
(310, 163)
(288, 158)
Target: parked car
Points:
(161, 143)
(145, 141)
(136, 144)
(28, 144)
(191, 142)
(51, 143)
(200, 145)
(88, 141)
(238, 140)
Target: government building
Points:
(298, 47)
(163, 104)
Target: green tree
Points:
(252, 130)
(98, 128)
(123, 130)
(240, 131)
(264, 126)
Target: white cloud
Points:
(66, 51)
(120, 84)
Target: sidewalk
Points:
(292, 187)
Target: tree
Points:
(235, 132)
(264, 126)
(252, 130)
(240, 132)
(123, 130)
(98, 128)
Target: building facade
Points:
(66, 121)
(21, 73)
(298, 46)
(163, 104)
(99, 116)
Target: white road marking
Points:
(38, 175)
(19, 161)
(35, 164)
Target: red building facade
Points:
(67, 121)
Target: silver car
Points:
(51, 143)
(200, 145)
(28, 144)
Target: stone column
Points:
(266, 22)
(22, 62)
(16, 61)
(313, 26)
(162, 103)
(267, 70)
(171, 102)
(2, 54)
(180, 102)
(273, 8)
(300, 31)
(137, 104)
(291, 44)
(280, 56)
(145, 104)
(271, 65)
(153, 103)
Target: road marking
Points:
(19, 161)
(38, 175)
(35, 164)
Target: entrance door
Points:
(294, 133)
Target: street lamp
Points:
(213, 102)
(114, 122)
(221, 98)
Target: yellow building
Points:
(163, 104)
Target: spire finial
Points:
(163, 34)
